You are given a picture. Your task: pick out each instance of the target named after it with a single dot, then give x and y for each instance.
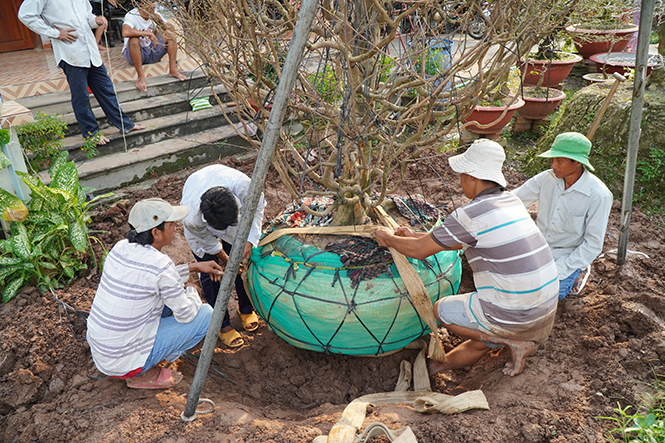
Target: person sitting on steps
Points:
(144, 45)
(514, 273)
(101, 9)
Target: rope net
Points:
(343, 294)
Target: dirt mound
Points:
(605, 348)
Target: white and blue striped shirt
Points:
(136, 283)
(516, 279)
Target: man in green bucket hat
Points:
(573, 207)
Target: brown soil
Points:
(606, 347)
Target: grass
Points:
(647, 426)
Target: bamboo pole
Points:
(646, 18)
(284, 88)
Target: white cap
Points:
(483, 160)
(150, 213)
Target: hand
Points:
(405, 231)
(153, 38)
(101, 21)
(223, 257)
(112, 3)
(382, 236)
(247, 253)
(209, 267)
(67, 35)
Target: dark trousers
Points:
(100, 84)
(211, 288)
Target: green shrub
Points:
(42, 139)
(49, 248)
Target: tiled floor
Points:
(34, 72)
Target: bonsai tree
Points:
(369, 98)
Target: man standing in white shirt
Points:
(573, 207)
(69, 25)
(144, 45)
(130, 329)
(216, 195)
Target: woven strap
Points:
(417, 292)
(360, 231)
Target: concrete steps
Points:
(174, 138)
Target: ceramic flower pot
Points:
(540, 102)
(617, 62)
(488, 119)
(547, 73)
(593, 41)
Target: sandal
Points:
(166, 379)
(229, 338)
(248, 320)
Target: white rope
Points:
(110, 74)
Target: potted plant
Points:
(608, 63)
(497, 108)
(548, 65)
(539, 102)
(598, 26)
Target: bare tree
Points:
(381, 81)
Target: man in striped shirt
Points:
(513, 270)
(130, 329)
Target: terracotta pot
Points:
(539, 108)
(546, 74)
(617, 62)
(491, 115)
(592, 41)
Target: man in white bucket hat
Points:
(573, 207)
(515, 276)
(130, 327)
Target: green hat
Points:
(572, 145)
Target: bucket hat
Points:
(483, 160)
(152, 212)
(572, 145)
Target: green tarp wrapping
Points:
(305, 295)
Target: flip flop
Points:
(166, 379)
(229, 337)
(248, 319)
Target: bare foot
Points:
(102, 140)
(519, 352)
(141, 85)
(101, 47)
(155, 378)
(136, 127)
(180, 76)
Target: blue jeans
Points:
(99, 82)
(211, 288)
(174, 339)
(567, 283)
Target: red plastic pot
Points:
(617, 62)
(592, 41)
(491, 115)
(539, 108)
(545, 73)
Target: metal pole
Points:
(263, 160)
(646, 18)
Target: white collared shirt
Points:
(46, 17)
(200, 236)
(572, 220)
